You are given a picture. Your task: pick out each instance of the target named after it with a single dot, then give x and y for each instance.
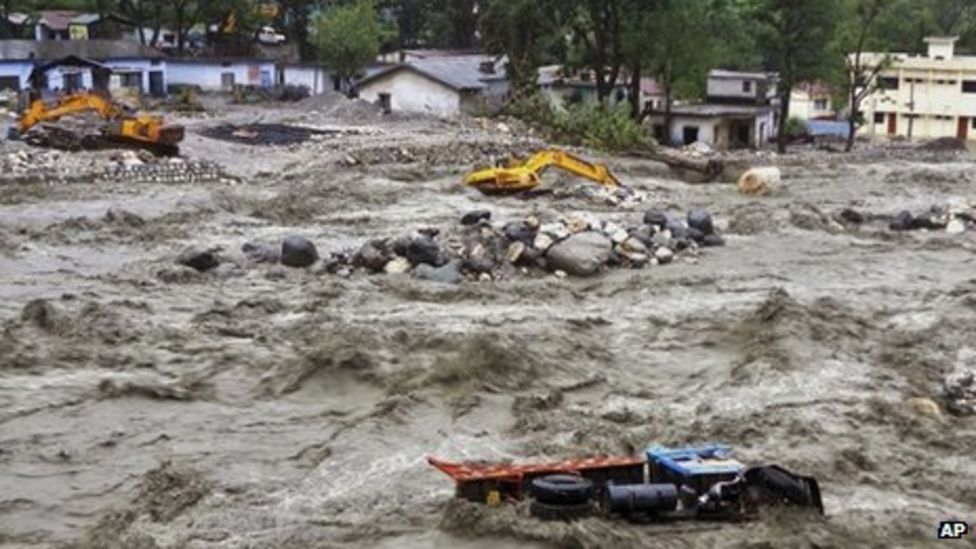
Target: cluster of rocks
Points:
(579, 245)
(950, 220)
(294, 251)
(143, 167)
(960, 392)
(52, 165)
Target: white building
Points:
(316, 77)
(445, 86)
(133, 65)
(562, 87)
(812, 101)
(740, 112)
(928, 96)
(220, 74)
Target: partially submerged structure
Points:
(740, 112)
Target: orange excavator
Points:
(525, 176)
(90, 120)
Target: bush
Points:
(586, 124)
(796, 128)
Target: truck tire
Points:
(548, 511)
(562, 490)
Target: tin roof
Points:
(24, 50)
(461, 72)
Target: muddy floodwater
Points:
(144, 404)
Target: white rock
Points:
(956, 226)
(399, 265)
(542, 242)
(532, 222)
(557, 231)
(619, 236)
(664, 255)
(515, 251)
(560, 274)
(760, 181)
(634, 246)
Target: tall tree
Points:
(857, 35)
(348, 38)
(450, 23)
(597, 30)
(528, 32)
(796, 36)
(680, 65)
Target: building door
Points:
(963, 129)
(227, 81)
(156, 83)
(386, 102)
(892, 123)
(689, 134)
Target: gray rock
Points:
(645, 234)
(677, 227)
(852, 216)
(519, 232)
(475, 217)
(634, 246)
(372, 257)
(447, 274)
(298, 251)
(701, 220)
(662, 239)
(960, 392)
(581, 254)
(904, 221)
(478, 265)
(423, 249)
(713, 241)
(199, 259)
(656, 218)
(696, 235)
(262, 252)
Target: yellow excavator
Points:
(62, 123)
(525, 176)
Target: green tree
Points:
(527, 31)
(348, 38)
(450, 23)
(857, 38)
(796, 35)
(680, 65)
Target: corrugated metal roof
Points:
(462, 72)
(86, 19)
(25, 50)
(719, 73)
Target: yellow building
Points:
(924, 96)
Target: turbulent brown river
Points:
(143, 404)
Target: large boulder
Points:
(372, 256)
(701, 220)
(199, 258)
(760, 181)
(423, 249)
(656, 218)
(581, 254)
(904, 221)
(475, 217)
(298, 251)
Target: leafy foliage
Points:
(585, 124)
(349, 37)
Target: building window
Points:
(888, 83)
(969, 86)
(879, 118)
(973, 121)
(131, 80)
(747, 87)
(820, 105)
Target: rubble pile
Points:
(476, 153)
(579, 245)
(45, 165)
(272, 135)
(143, 167)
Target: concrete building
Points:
(812, 101)
(221, 74)
(133, 65)
(444, 86)
(740, 112)
(562, 87)
(927, 96)
(314, 76)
